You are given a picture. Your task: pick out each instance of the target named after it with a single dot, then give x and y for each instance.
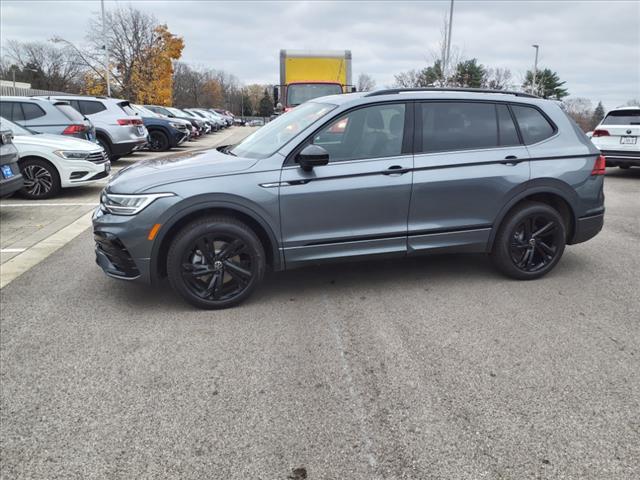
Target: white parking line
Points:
(38, 204)
(22, 262)
(12, 250)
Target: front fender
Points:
(202, 203)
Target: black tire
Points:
(530, 241)
(41, 179)
(226, 273)
(106, 146)
(158, 141)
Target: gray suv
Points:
(46, 115)
(391, 173)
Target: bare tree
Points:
(365, 83)
(43, 65)
(581, 110)
(498, 79)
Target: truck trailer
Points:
(305, 75)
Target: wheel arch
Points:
(42, 159)
(554, 193)
(171, 227)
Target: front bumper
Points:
(11, 185)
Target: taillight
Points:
(599, 132)
(129, 121)
(600, 166)
(73, 129)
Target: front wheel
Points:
(530, 241)
(41, 179)
(158, 141)
(215, 262)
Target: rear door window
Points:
(534, 127)
(32, 111)
(450, 126)
(622, 117)
(16, 112)
(89, 107)
(6, 110)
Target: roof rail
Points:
(392, 91)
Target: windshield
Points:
(175, 111)
(622, 117)
(275, 134)
(15, 129)
(302, 92)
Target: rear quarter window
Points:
(70, 112)
(32, 111)
(534, 126)
(89, 107)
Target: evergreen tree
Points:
(548, 84)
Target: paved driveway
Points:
(427, 368)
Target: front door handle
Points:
(395, 170)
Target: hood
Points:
(56, 142)
(151, 173)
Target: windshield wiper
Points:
(227, 150)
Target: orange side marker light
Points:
(154, 231)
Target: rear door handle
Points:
(511, 160)
(395, 170)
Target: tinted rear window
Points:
(533, 125)
(32, 111)
(622, 117)
(126, 108)
(89, 107)
(70, 112)
(458, 126)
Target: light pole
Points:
(446, 63)
(535, 70)
(106, 50)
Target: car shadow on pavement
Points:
(623, 173)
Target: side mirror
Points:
(312, 156)
(171, 115)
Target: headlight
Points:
(176, 125)
(121, 204)
(71, 155)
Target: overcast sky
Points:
(593, 45)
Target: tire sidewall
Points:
(55, 179)
(501, 254)
(163, 141)
(185, 239)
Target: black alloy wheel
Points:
(158, 141)
(215, 262)
(41, 179)
(534, 243)
(530, 241)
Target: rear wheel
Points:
(215, 262)
(530, 241)
(106, 146)
(158, 141)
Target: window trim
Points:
(408, 135)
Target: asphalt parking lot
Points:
(435, 367)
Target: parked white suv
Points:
(617, 137)
(51, 162)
